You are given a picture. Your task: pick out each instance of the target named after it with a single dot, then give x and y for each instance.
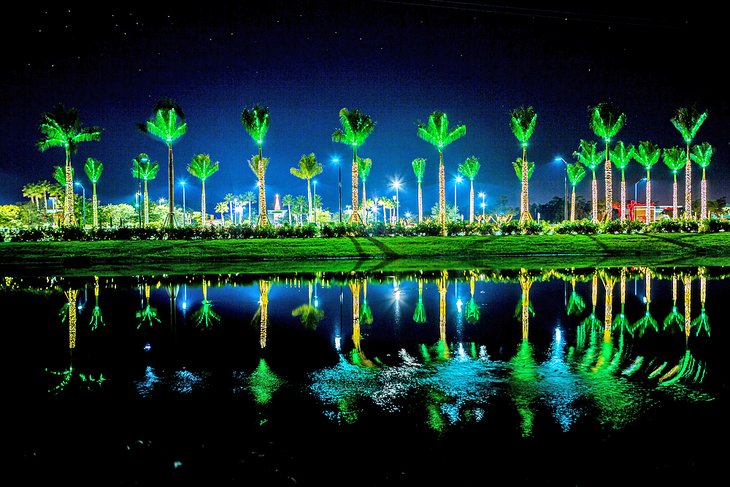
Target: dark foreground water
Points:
(555, 377)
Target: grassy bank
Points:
(368, 253)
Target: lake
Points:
(550, 377)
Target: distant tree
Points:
(522, 123)
(674, 160)
(145, 170)
(419, 169)
(647, 155)
(469, 169)
(606, 121)
(256, 122)
(688, 121)
(364, 165)
(576, 173)
(308, 168)
(702, 154)
(93, 169)
(621, 156)
(590, 158)
(202, 168)
(288, 201)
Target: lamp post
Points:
(636, 184)
(83, 201)
(456, 181)
(565, 187)
(483, 195)
(185, 219)
(396, 183)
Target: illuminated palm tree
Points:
(419, 169)
(202, 168)
(308, 168)
(366, 313)
(358, 355)
(205, 316)
(469, 169)
(702, 322)
(674, 160)
(609, 282)
(356, 127)
(647, 155)
(576, 304)
(258, 165)
(71, 296)
(32, 191)
(263, 311)
(621, 156)
(309, 315)
(222, 207)
(419, 313)
(248, 197)
(256, 122)
(442, 285)
(576, 173)
(146, 170)
(230, 199)
(93, 169)
(702, 154)
(436, 132)
(590, 158)
(287, 201)
(45, 188)
(96, 317)
(687, 281)
(674, 319)
(524, 307)
(591, 322)
(523, 377)
(621, 322)
(147, 313)
(60, 176)
(364, 166)
(167, 125)
(518, 166)
(522, 123)
(62, 128)
(688, 121)
(606, 121)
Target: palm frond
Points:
(257, 162)
(256, 122)
(702, 154)
(202, 168)
(363, 166)
(606, 119)
(674, 320)
(518, 168)
(576, 303)
(688, 121)
(621, 155)
(470, 168)
(588, 155)
(674, 158)
(576, 173)
(419, 168)
(522, 123)
(93, 169)
(647, 154)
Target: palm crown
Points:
(202, 168)
(588, 155)
(518, 168)
(257, 162)
(576, 173)
(356, 127)
(93, 169)
(143, 168)
(62, 128)
(168, 123)
(419, 168)
(437, 133)
(308, 167)
(363, 166)
(702, 154)
(470, 168)
(688, 121)
(647, 154)
(256, 122)
(522, 123)
(606, 120)
(60, 175)
(674, 158)
(621, 155)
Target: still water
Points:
(554, 377)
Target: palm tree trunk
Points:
(289, 212)
(688, 187)
(45, 205)
(442, 192)
(420, 203)
(68, 204)
(687, 281)
(524, 196)
(264, 290)
(572, 205)
(703, 196)
(309, 201)
(471, 202)
(608, 309)
(263, 217)
(674, 198)
(146, 204)
(609, 187)
(94, 205)
(249, 212)
(364, 204)
(648, 197)
(170, 188)
(594, 197)
(203, 216)
(354, 216)
(623, 196)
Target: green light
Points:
(264, 383)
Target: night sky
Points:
(395, 61)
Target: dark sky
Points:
(396, 61)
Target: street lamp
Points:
(456, 181)
(483, 195)
(185, 219)
(636, 184)
(83, 201)
(336, 160)
(565, 186)
(396, 183)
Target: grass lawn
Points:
(362, 254)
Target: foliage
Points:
(518, 168)
(674, 158)
(436, 131)
(647, 154)
(702, 154)
(419, 168)
(202, 168)
(621, 155)
(688, 121)
(576, 173)
(93, 169)
(606, 120)
(522, 123)
(588, 155)
(256, 122)
(356, 127)
(470, 168)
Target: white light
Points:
(184, 305)
(558, 335)
(147, 347)
(459, 304)
(337, 343)
(643, 299)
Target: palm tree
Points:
(229, 199)
(437, 133)
(522, 123)
(519, 165)
(674, 159)
(469, 169)
(202, 168)
(419, 168)
(147, 313)
(419, 312)
(45, 188)
(688, 121)
(702, 154)
(258, 165)
(287, 201)
(576, 303)
(309, 315)
(146, 170)
(647, 155)
(356, 127)
(93, 169)
(647, 321)
(60, 175)
(590, 158)
(32, 191)
(606, 121)
(248, 197)
(300, 207)
(308, 168)
(256, 122)
(576, 173)
(62, 128)
(167, 125)
(205, 315)
(222, 208)
(621, 156)
(674, 318)
(472, 308)
(96, 316)
(364, 166)
(702, 322)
